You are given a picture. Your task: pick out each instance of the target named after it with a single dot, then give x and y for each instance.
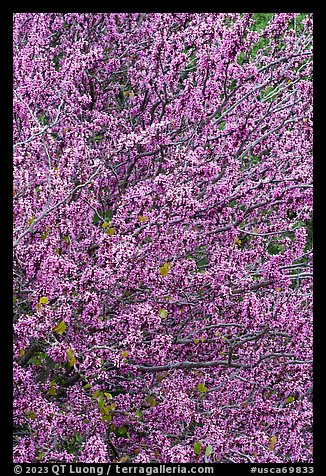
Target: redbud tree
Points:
(162, 202)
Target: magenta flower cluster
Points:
(162, 237)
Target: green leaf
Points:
(87, 386)
(99, 216)
(151, 400)
(201, 387)
(121, 430)
(208, 450)
(100, 402)
(60, 328)
(197, 448)
(37, 359)
(138, 414)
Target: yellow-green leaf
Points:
(163, 313)
(60, 328)
(100, 402)
(138, 414)
(105, 224)
(72, 362)
(272, 443)
(44, 300)
(197, 448)
(201, 387)
(290, 399)
(107, 418)
(96, 394)
(110, 231)
(142, 218)
(165, 269)
(40, 455)
(208, 450)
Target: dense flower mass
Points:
(162, 237)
